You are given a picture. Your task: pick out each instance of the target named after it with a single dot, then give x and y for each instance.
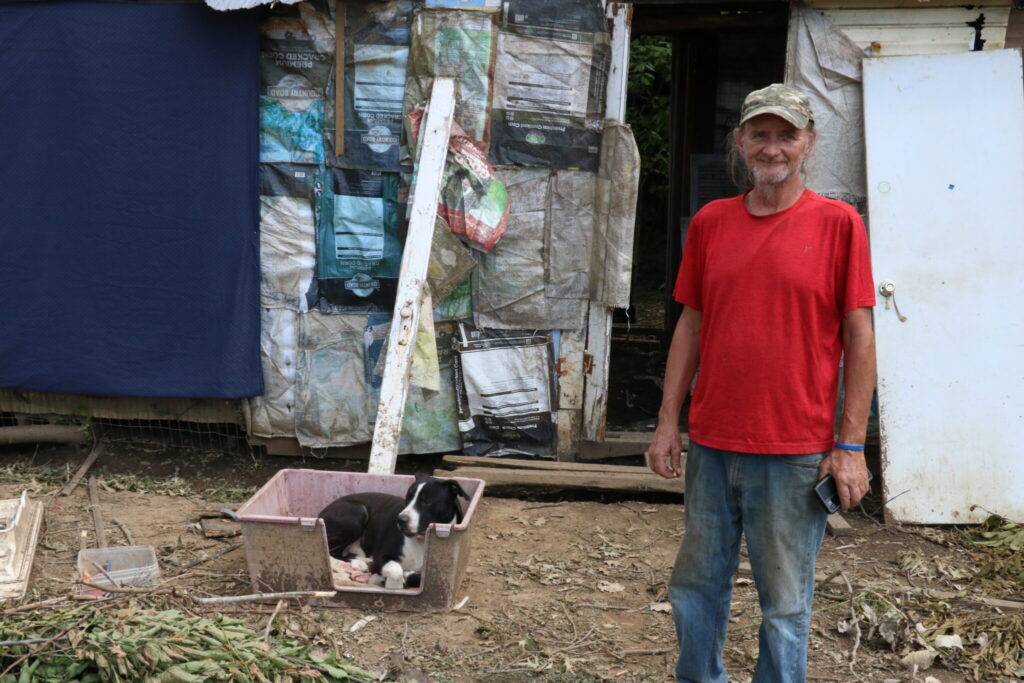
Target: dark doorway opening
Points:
(691, 65)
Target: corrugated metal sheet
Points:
(906, 27)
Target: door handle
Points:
(887, 289)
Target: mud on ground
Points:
(559, 586)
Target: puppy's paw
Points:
(376, 580)
(412, 580)
(360, 564)
(393, 575)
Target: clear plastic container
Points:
(128, 566)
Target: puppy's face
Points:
(430, 500)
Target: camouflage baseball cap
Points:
(781, 100)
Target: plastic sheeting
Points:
(324, 385)
(450, 262)
(458, 305)
(824, 63)
(485, 5)
(618, 185)
(430, 420)
(505, 392)
(273, 413)
(550, 77)
(129, 264)
(296, 55)
(473, 202)
(511, 287)
(459, 44)
(287, 234)
(359, 253)
(332, 405)
(569, 231)
(244, 4)
(377, 36)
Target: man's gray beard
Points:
(761, 179)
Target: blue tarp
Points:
(129, 221)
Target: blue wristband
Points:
(849, 447)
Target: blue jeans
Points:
(770, 499)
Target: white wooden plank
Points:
(599, 318)
(570, 393)
(958, 36)
(595, 404)
(901, 46)
(415, 257)
(922, 17)
(945, 215)
(923, 30)
(571, 369)
(621, 15)
(893, 4)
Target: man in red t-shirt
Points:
(776, 285)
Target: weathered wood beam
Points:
(412, 276)
(95, 453)
(642, 480)
(535, 464)
(42, 434)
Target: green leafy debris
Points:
(130, 643)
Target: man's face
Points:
(773, 148)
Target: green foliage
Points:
(647, 112)
(1002, 566)
(647, 108)
(132, 644)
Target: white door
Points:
(945, 160)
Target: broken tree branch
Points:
(201, 560)
(253, 597)
(124, 530)
(270, 621)
(97, 514)
(118, 589)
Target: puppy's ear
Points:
(456, 489)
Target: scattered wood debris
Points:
(97, 449)
(838, 526)
(219, 528)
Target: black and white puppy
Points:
(388, 530)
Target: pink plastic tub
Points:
(286, 543)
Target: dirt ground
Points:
(560, 586)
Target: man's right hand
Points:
(664, 452)
(683, 356)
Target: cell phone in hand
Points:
(827, 493)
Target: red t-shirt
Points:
(773, 291)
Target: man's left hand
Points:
(850, 471)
